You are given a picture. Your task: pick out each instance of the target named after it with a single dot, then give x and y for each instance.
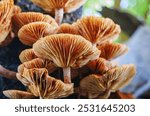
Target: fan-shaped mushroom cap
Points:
(6, 13)
(96, 29)
(110, 50)
(68, 29)
(44, 86)
(66, 50)
(51, 5)
(16, 94)
(24, 18)
(30, 33)
(111, 81)
(27, 55)
(37, 63)
(100, 65)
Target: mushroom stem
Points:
(7, 73)
(94, 44)
(67, 75)
(59, 13)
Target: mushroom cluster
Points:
(66, 59)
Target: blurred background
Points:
(134, 18)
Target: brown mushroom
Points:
(27, 55)
(58, 7)
(111, 51)
(16, 94)
(42, 85)
(100, 86)
(30, 33)
(37, 63)
(97, 29)
(66, 50)
(6, 13)
(24, 18)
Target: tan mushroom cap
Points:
(66, 50)
(30, 33)
(111, 51)
(6, 13)
(51, 5)
(16, 94)
(24, 18)
(97, 29)
(101, 86)
(17, 9)
(37, 63)
(41, 84)
(68, 29)
(100, 65)
(27, 55)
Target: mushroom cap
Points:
(114, 79)
(41, 84)
(97, 29)
(66, 50)
(24, 18)
(68, 29)
(111, 51)
(17, 94)
(100, 65)
(30, 33)
(17, 9)
(27, 55)
(51, 5)
(6, 13)
(37, 63)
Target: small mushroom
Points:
(111, 51)
(97, 29)
(24, 18)
(27, 55)
(42, 85)
(6, 13)
(66, 51)
(59, 7)
(100, 65)
(37, 63)
(17, 94)
(100, 86)
(30, 33)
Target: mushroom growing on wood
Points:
(6, 13)
(24, 18)
(42, 85)
(59, 7)
(30, 33)
(27, 55)
(37, 63)
(111, 51)
(66, 51)
(100, 86)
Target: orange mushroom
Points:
(30, 33)
(100, 86)
(58, 7)
(27, 55)
(66, 50)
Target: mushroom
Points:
(17, 9)
(24, 18)
(17, 94)
(30, 33)
(27, 55)
(111, 51)
(100, 65)
(59, 7)
(97, 29)
(37, 63)
(6, 13)
(100, 86)
(66, 51)
(42, 85)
